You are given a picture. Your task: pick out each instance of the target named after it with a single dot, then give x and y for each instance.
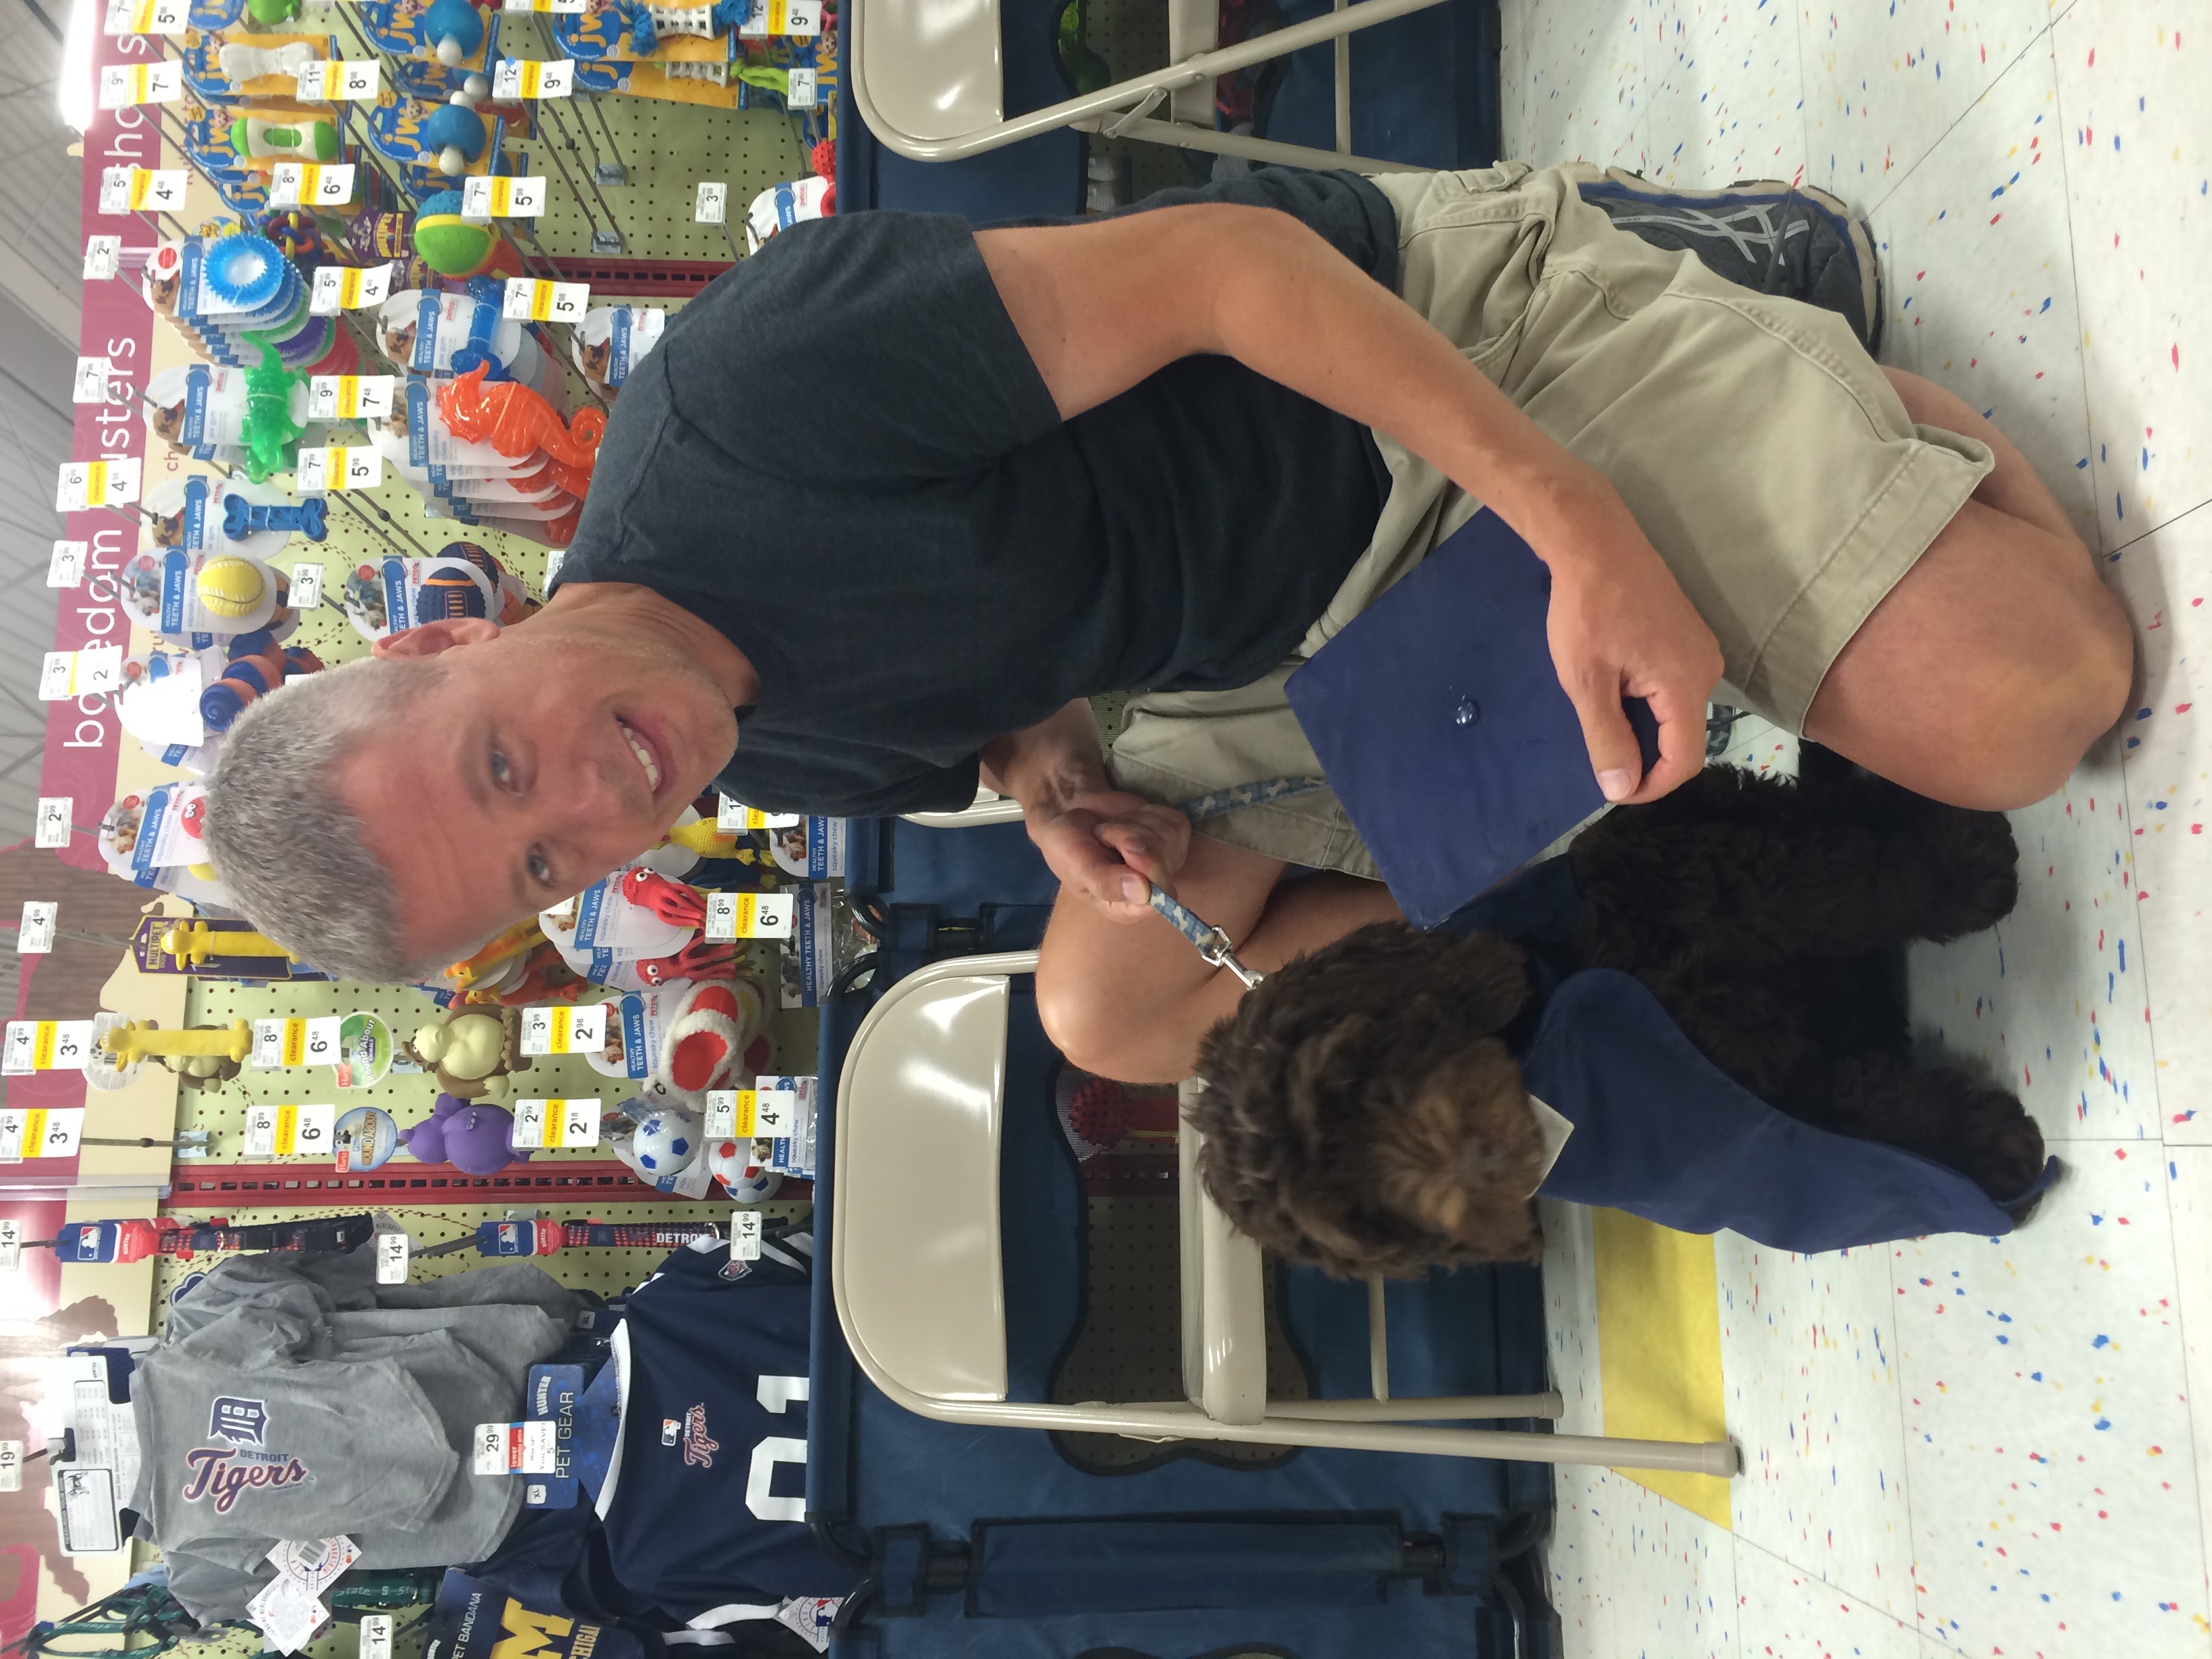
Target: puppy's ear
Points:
(1461, 1157)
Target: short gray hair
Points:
(293, 854)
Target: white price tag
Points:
(306, 586)
(11, 1451)
(103, 256)
(745, 1235)
(289, 1131)
(541, 301)
(376, 1641)
(321, 1045)
(750, 915)
(51, 826)
(141, 189)
(525, 78)
(122, 85)
(559, 1029)
(38, 1132)
(735, 815)
(347, 287)
(66, 568)
(557, 7)
(18, 1056)
(90, 384)
(805, 90)
(35, 936)
(775, 1111)
(279, 1042)
(553, 556)
(799, 18)
(84, 485)
(340, 466)
(517, 1448)
(11, 1257)
(319, 184)
(83, 673)
(261, 1131)
(349, 398)
(713, 205)
(145, 17)
(323, 81)
(551, 1123)
(505, 198)
(725, 1109)
(392, 1251)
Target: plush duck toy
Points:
(471, 1052)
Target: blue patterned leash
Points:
(1211, 942)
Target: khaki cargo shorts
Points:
(1766, 457)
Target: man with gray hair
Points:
(895, 497)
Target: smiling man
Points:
(895, 497)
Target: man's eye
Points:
(501, 772)
(540, 872)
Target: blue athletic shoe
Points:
(1763, 234)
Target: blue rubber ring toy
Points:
(243, 270)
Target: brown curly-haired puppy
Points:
(1364, 1110)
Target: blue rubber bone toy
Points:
(484, 323)
(242, 517)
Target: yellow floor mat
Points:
(1659, 1347)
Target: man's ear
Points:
(430, 638)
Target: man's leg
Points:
(2000, 657)
(1131, 1001)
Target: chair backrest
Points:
(933, 69)
(915, 1259)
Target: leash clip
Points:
(1219, 951)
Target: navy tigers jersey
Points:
(704, 1509)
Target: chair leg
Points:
(1378, 1339)
(1438, 1409)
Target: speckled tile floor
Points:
(1970, 1446)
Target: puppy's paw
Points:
(1972, 867)
(1997, 1144)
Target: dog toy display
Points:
(471, 1052)
(472, 1137)
(258, 666)
(532, 1239)
(242, 517)
(1704, 994)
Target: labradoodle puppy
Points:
(1364, 1110)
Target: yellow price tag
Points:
(288, 1124)
(95, 483)
(541, 294)
(142, 186)
(34, 1120)
(295, 1043)
(42, 1047)
(556, 1040)
(741, 1126)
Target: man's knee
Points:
(2026, 738)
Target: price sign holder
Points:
(730, 1115)
(558, 1029)
(306, 586)
(51, 825)
(349, 396)
(35, 935)
(347, 287)
(535, 300)
(103, 259)
(547, 1124)
(66, 568)
(95, 671)
(392, 1252)
(750, 915)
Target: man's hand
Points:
(1107, 846)
(1621, 626)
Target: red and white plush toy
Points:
(715, 1030)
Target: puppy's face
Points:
(1362, 1114)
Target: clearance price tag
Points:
(306, 586)
(66, 568)
(546, 1123)
(145, 17)
(504, 197)
(279, 1042)
(289, 1131)
(45, 1045)
(296, 183)
(775, 1111)
(40, 1133)
(339, 466)
(749, 916)
(83, 673)
(736, 815)
(138, 190)
(572, 7)
(517, 1448)
(86, 484)
(349, 288)
(744, 1235)
(348, 397)
(801, 18)
(729, 1113)
(523, 78)
(559, 1029)
(50, 825)
(541, 301)
(103, 255)
(714, 208)
(161, 81)
(35, 934)
(324, 82)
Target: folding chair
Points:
(926, 78)
(917, 1271)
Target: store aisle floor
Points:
(1970, 1446)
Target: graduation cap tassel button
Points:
(1468, 713)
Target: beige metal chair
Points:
(988, 807)
(926, 78)
(915, 1265)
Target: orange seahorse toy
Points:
(517, 421)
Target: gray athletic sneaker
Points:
(1760, 232)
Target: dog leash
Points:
(1213, 943)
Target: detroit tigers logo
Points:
(241, 1422)
(699, 1448)
(220, 1473)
